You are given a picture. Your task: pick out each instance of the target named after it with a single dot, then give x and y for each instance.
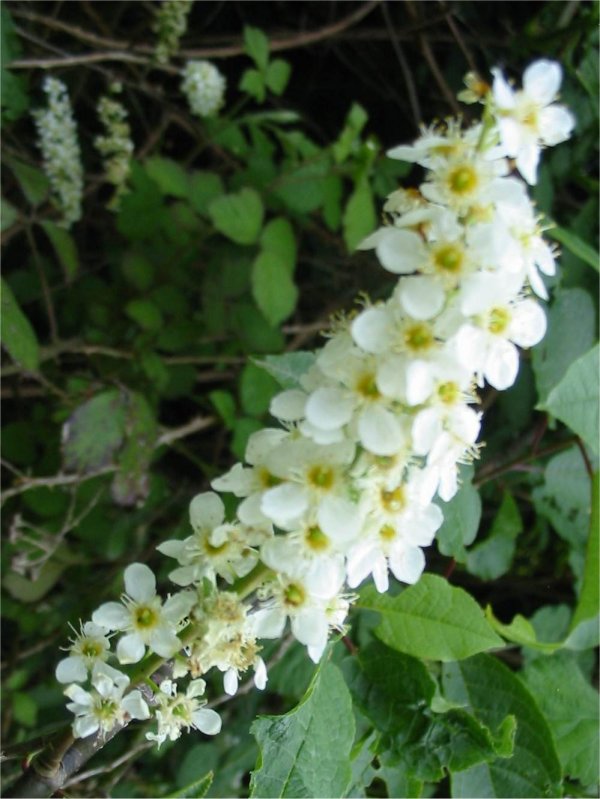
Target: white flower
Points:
(216, 548)
(176, 711)
(528, 118)
(102, 708)
(89, 646)
(204, 87)
(143, 617)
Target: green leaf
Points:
(521, 631)
(64, 247)
(461, 519)
(242, 430)
(306, 752)
(431, 620)
(570, 706)
(130, 485)
(359, 215)
(492, 692)
(395, 692)
(141, 212)
(492, 558)
(353, 125)
(195, 790)
(34, 184)
(145, 313)
(301, 188)
(257, 387)
(16, 332)
(278, 238)
(278, 75)
(289, 367)
(224, 404)
(256, 45)
(137, 270)
(575, 399)
(272, 287)
(8, 216)
(253, 83)
(589, 598)
(94, 432)
(572, 310)
(203, 188)
(576, 245)
(332, 201)
(169, 176)
(30, 591)
(238, 216)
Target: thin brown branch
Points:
(193, 426)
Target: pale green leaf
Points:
(256, 45)
(492, 692)
(278, 238)
(572, 310)
(492, 558)
(575, 399)
(359, 217)
(256, 390)
(238, 216)
(353, 125)
(16, 332)
(253, 83)
(520, 631)
(8, 216)
(272, 287)
(34, 184)
(431, 619)
(306, 752)
(169, 176)
(301, 188)
(64, 247)
(195, 790)
(461, 519)
(94, 432)
(570, 705)
(203, 188)
(289, 367)
(589, 598)
(278, 75)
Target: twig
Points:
(406, 73)
(94, 772)
(193, 426)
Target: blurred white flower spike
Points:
(371, 436)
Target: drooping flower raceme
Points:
(115, 144)
(371, 437)
(58, 141)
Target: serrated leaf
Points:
(359, 217)
(304, 754)
(589, 598)
(16, 332)
(289, 367)
(431, 619)
(575, 399)
(238, 216)
(492, 692)
(272, 287)
(492, 558)
(278, 75)
(168, 175)
(130, 485)
(195, 790)
(256, 45)
(64, 247)
(461, 519)
(94, 432)
(278, 238)
(576, 245)
(572, 310)
(570, 705)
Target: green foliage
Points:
(17, 335)
(301, 753)
(492, 557)
(432, 620)
(461, 519)
(238, 216)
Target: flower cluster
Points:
(115, 144)
(204, 87)
(373, 433)
(57, 138)
(170, 23)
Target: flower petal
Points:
(140, 583)
(379, 431)
(206, 511)
(130, 649)
(207, 721)
(112, 616)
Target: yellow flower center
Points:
(268, 480)
(316, 539)
(145, 616)
(498, 320)
(462, 179)
(294, 595)
(91, 649)
(418, 337)
(367, 387)
(387, 532)
(393, 501)
(448, 258)
(449, 392)
(321, 477)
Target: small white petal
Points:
(112, 616)
(230, 682)
(408, 564)
(528, 324)
(84, 726)
(541, 81)
(289, 405)
(401, 251)
(502, 364)
(556, 124)
(207, 721)
(206, 511)
(237, 480)
(371, 330)
(421, 297)
(178, 606)
(140, 582)
(329, 408)
(284, 504)
(71, 669)
(130, 649)
(164, 642)
(340, 519)
(172, 549)
(310, 627)
(379, 431)
(133, 704)
(260, 674)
